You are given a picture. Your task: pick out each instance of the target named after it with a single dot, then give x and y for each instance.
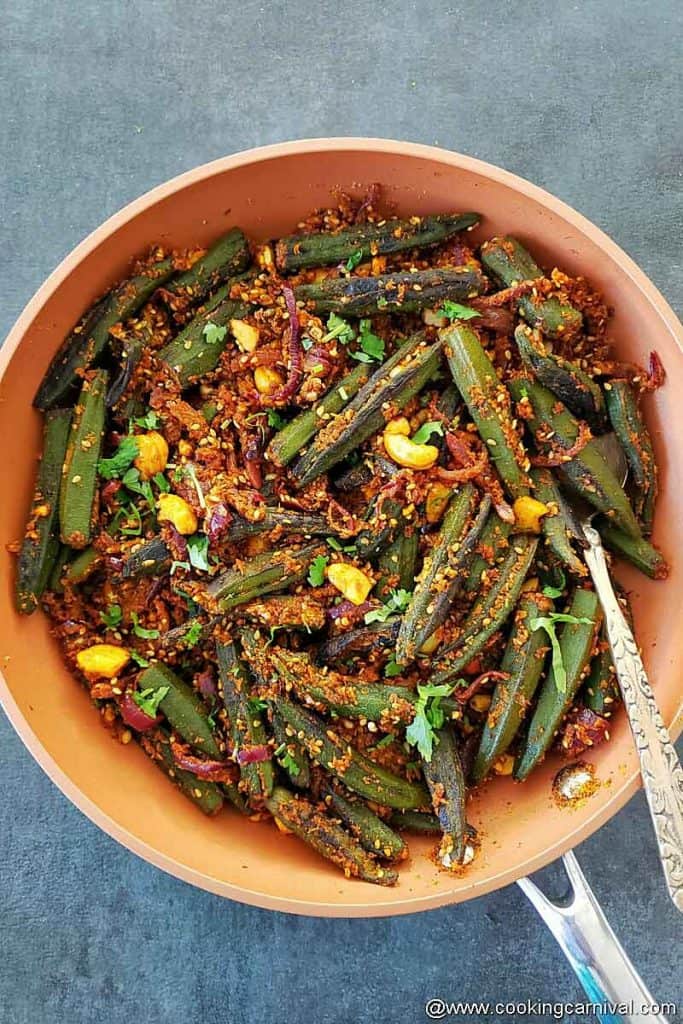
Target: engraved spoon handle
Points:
(659, 765)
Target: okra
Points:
(246, 725)
(404, 292)
(558, 526)
(192, 354)
(182, 707)
(227, 257)
(265, 573)
(579, 392)
(446, 781)
(40, 547)
(587, 471)
(576, 640)
(489, 404)
(285, 520)
(79, 473)
(88, 341)
(493, 546)
(633, 435)
(293, 759)
(601, 691)
(360, 242)
(489, 613)
(285, 611)
(153, 558)
(523, 663)
(83, 566)
(636, 550)
(296, 434)
(510, 263)
(326, 837)
(383, 521)
(131, 351)
(56, 581)
(392, 386)
(398, 563)
(206, 795)
(357, 772)
(377, 636)
(416, 821)
(373, 834)
(442, 573)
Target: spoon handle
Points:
(659, 765)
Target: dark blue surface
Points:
(110, 99)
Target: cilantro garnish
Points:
(306, 343)
(371, 347)
(213, 333)
(398, 602)
(198, 550)
(275, 420)
(287, 760)
(392, 669)
(548, 623)
(354, 259)
(194, 634)
(339, 328)
(149, 700)
(132, 480)
(139, 660)
(161, 482)
(556, 591)
(316, 573)
(144, 634)
(119, 462)
(175, 565)
(255, 704)
(112, 616)
(150, 420)
(429, 717)
(454, 311)
(422, 435)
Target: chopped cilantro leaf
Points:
(354, 259)
(112, 616)
(161, 482)
(145, 634)
(553, 592)
(424, 433)
(198, 550)
(194, 634)
(150, 420)
(316, 573)
(429, 717)
(149, 700)
(306, 343)
(287, 760)
(255, 704)
(175, 565)
(371, 347)
(213, 333)
(139, 660)
(132, 480)
(548, 623)
(392, 669)
(275, 420)
(339, 328)
(119, 462)
(454, 311)
(398, 602)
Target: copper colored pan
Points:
(266, 191)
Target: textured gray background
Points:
(111, 98)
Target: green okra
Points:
(523, 663)
(40, 546)
(558, 525)
(327, 837)
(83, 566)
(361, 241)
(510, 264)
(398, 380)
(293, 759)
(265, 573)
(446, 781)
(633, 435)
(296, 434)
(587, 471)
(377, 636)
(383, 520)
(56, 581)
(398, 563)
(206, 795)
(226, 258)
(601, 690)
(152, 558)
(403, 292)
(89, 340)
(373, 834)
(79, 472)
(416, 821)
(636, 550)
(572, 385)
(489, 613)
(493, 539)
(285, 520)
(246, 724)
(576, 642)
(194, 353)
(489, 404)
(443, 572)
(182, 707)
(357, 772)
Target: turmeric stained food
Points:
(301, 527)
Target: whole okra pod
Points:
(558, 525)
(206, 795)
(628, 424)
(265, 573)
(182, 707)
(246, 725)
(79, 473)
(191, 353)
(373, 834)
(224, 259)
(446, 781)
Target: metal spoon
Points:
(659, 764)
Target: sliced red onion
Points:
(462, 696)
(218, 522)
(178, 544)
(215, 771)
(296, 354)
(317, 360)
(206, 683)
(253, 755)
(134, 716)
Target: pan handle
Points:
(593, 950)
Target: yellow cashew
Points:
(152, 454)
(246, 335)
(406, 453)
(504, 764)
(267, 381)
(431, 643)
(350, 581)
(174, 509)
(398, 426)
(103, 660)
(528, 513)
